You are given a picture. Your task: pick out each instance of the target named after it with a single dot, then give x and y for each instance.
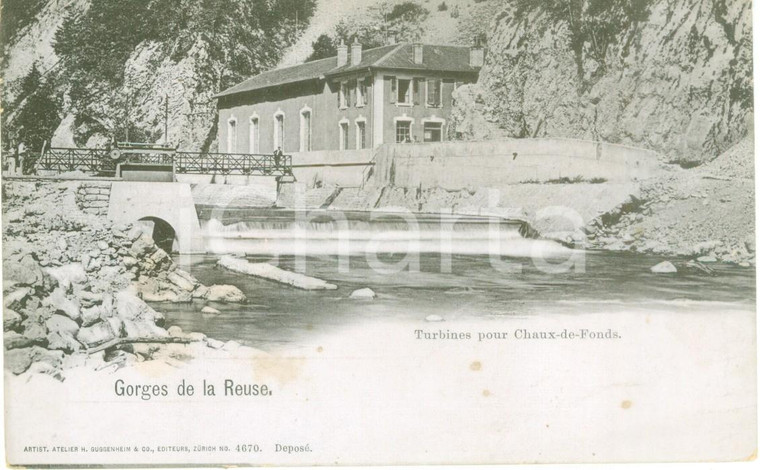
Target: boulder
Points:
(35, 330)
(666, 267)
(231, 346)
(214, 343)
(91, 315)
(102, 245)
(160, 296)
(61, 324)
(59, 302)
(142, 246)
(180, 281)
(96, 334)
(129, 261)
(16, 298)
(129, 306)
(159, 256)
(134, 233)
(25, 271)
(19, 360)
(365, 293)
(88, 299)
(51, 358)
(143, 329)
(175, 331)
(61, 244)
(433, 318)
(67, 275)
(13, 340)
(707, 259)
(200, 292)
(62, 341)
(11, 320)
(210, 310)
(195, 336)
(225, 293)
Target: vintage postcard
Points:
(398, 232)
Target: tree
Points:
(322, 48)
(37, 113)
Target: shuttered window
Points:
(434, 92)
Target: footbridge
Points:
(138, 183)
(128, 157)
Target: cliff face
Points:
(675, 76)
(114, 65)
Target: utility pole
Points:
(166, 119)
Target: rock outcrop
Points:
(704, 211)
(674, 76)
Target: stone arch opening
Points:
(162, 233)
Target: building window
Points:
(305, 130)
(343, 135)
(343, 95)
(231, 135)
(403, 131)
(361, 134)
(404, 92)
(434, 92)
(432, 131)
(253, 141)
(279, 131)
(361, 93)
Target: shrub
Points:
(443, 7)
(685, 163)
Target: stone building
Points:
(358, 99)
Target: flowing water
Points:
(468, 284)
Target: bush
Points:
(407, 11)
(685, 163)
(443, 7)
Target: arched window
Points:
(253, 138)
(305, 130)
(231, 135)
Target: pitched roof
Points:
(397, 56)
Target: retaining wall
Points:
(473, 165)
(343, 168)
(93, 196)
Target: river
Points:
(279, 317)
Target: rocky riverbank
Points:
(707, 212)
(75, 286)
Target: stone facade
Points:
(92, 197)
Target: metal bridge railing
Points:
(62, 160)
(233, 164)
(100, 161)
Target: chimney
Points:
(342, 54)
(477, 55)
(417, 53)
(356, 52)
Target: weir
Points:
(329, 232)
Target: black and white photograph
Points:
(393, 232)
